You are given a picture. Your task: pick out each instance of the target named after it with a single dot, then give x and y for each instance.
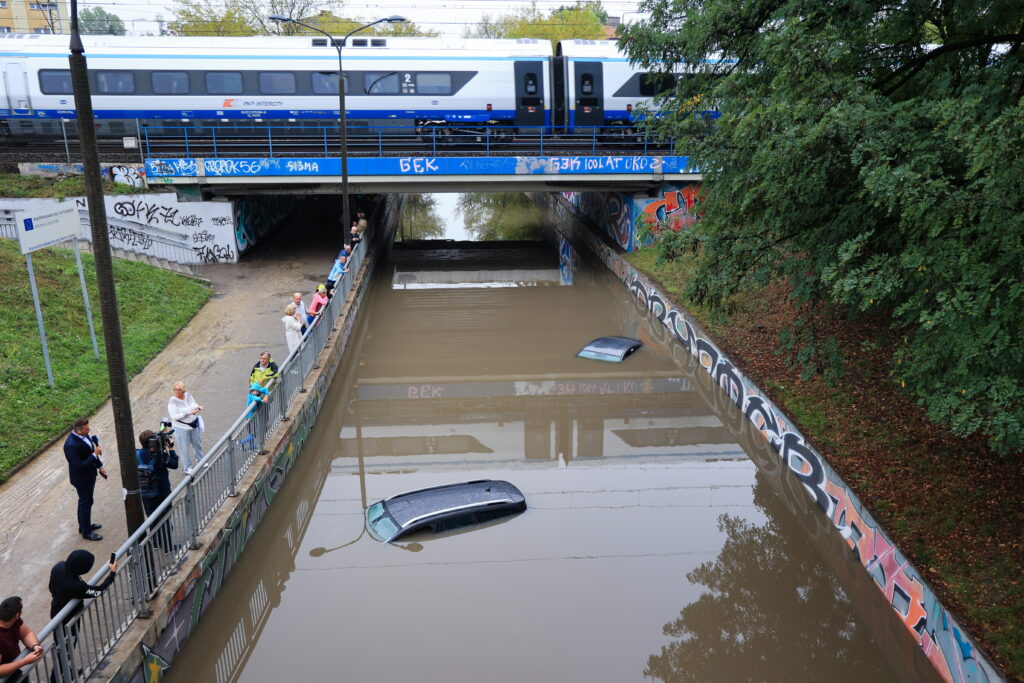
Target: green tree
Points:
(581, 20)
(201, 18)
(507, 216)
(420, 220)
(97, 21)
(872, 155)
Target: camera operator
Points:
(156, 456)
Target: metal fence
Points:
(78, 638)
(316, 138)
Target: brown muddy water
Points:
(663, 539)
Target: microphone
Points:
(96, 440)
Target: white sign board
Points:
(46, 227)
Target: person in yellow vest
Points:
(264, 372)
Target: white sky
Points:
(447, 17)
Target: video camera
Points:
(162, 442)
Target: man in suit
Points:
(82, 453)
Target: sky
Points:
(447, 17)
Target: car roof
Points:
(407, 508)
(610, 348)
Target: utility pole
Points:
(116, 372)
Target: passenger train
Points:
(390, 82)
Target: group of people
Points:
(159, 452)
(297, 316)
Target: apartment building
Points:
(34, 16)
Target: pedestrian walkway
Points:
(212, 355)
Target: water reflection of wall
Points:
(943, 641)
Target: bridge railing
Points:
(294, 140)
(76, 640)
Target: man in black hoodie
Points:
(66, 582)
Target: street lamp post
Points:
(342, 125)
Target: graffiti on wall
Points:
(255, 216)
(941, 639)
(128, 175)
(676, 208)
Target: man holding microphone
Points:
(83, 452)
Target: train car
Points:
(597, 86)
(390, 82)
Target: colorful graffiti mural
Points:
(942, 640)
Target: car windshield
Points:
(381, 526)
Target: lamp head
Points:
(278, 18)
(395, 18)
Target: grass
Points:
(154, 304)
(13, 185)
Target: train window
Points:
(587, 84)
(169, 82)
(531, 84)
(115, 82)
(652, 84)
(381, 83)
(55, 81)
(434, 84)
(224, 83)
(277, 83)
(327, 83)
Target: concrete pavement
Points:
(212, 355)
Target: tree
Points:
(869, 154)
(500, 216)
(578, 21)
(200, 18)
(420, 220)
(97, 21)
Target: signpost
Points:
(46, 228)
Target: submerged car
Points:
(443, 507)
(611, 349)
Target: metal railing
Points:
(82, 634)
(293, 140)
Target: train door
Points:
(559, 115)
(16, 85)
(588, 82)
(529, 93)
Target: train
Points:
(391, 83)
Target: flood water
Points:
(662, 540)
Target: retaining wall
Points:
(949, 649)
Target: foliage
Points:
(420, 220)
(19, 186)
(872, 168)
(204, 18)
(582, 20)
(98, 21)
(506, 216)
(31, 413)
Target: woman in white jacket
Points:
(187, 424)
(292, 328)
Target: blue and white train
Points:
(390, 82)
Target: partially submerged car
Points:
(443, 507)
(611, 349)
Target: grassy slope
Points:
(952, 507)
(154, 304)
(13, 185)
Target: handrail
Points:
(78, 638)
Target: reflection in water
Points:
(420, 219)
(509, 216)
(634, 479)
(772, 611)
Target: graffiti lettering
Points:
(418, 165)
(221, 220)
(426, 391)
(303, 166)
(228, 167)
(129, 237)
(204, 236)
(128, 175)
(173, 167)
(215, 253)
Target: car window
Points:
(381, 524)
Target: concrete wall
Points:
(943, 641)
(149, 647)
